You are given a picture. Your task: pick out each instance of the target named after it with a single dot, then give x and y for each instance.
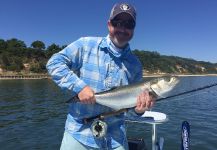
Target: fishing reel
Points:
(99, 128)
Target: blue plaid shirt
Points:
(96, 62)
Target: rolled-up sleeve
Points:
(64, 67)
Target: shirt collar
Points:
(117, 52)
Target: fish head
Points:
(161, 86)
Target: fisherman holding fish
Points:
(92, 65)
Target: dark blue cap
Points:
(123, 8)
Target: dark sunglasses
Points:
(128, 24)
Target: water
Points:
(198, 108)
(33, 113)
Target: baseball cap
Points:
(123, 8)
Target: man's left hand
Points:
(144, 102)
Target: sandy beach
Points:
(180, 75)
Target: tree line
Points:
(153, 62)
(14, 54)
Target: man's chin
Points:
(120, 44)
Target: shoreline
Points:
(39, 77)
(179, 75)
(24, 77)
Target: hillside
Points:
(153, 62)
(17, 58)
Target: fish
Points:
(126, 96)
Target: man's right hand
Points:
(86, 95)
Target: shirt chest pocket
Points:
(115, 75)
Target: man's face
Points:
(121, 29)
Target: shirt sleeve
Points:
(138, 69)
(64, 67)
(137, 78)
(139, 74)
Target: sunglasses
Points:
(128, 24)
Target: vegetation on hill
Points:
(153, 62)
(15, 56)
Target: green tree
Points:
(38, 45)
(3, 45)
(18, 64)
(4, 61)
(15, 44)
(53, 48)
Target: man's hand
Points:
(86, 95)
(144, 102)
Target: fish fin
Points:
(152, 93)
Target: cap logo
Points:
(124, 7)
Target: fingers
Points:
(87, 96)
(88, 100)
(144, 102)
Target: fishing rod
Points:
(190, 91)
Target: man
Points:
(95, 64)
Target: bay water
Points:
(33, 113)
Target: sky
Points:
(184, 28)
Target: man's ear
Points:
(109, 25)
